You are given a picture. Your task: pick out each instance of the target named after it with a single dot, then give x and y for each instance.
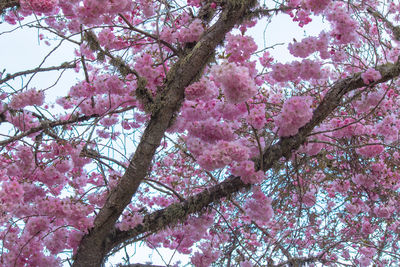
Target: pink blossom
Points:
(30, 97)
(235, 81)
(363, 180)
(221, 154)
(371, 76)
(257, 118)
(266, 59)
(129, 221)
(309, 198)
(366, 228)
(44, 6)
(192, 33)
(246, 264)
(239, 47)
(212, 130)
(305, 69)
(295, 113)
(343, 24)
(204, 258)
(370, 151)
(203, 89)
(317, 6)
(248, 175)
(259, 208)
(109, 121)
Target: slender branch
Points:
(178, 212)
(65, 65)
(156, 38)
(394, 29)
(51, 124)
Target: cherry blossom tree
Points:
(181, 132)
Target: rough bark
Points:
(92, 248)
(4, 4)
(175, 213)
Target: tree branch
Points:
(51, 124)
(178, 212)
(4, 4)
(65, 65)
(93, 246)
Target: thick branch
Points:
(177, 212)
(92, 249)
(4, 4)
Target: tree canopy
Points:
(182, 132)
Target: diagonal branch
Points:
(44, 125)
(92, 248)
(178, 212)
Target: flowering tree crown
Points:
(180, 130)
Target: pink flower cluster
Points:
(266, 59)
(347, 128)
(296, 112)
(309, 198)
(344, 27)
(259, 208)
(43, 6)
(211, 130)
(22, 120)
(235, 81)
(147, 7)
(370, 151)
(302, 16)
(92, 11)
(245, 170)
(108, 40)
(154, 75)
(28, 98)
(388, 128)
(201, 90)
(306, 70)
(195, 3)
(183, 237)
(309, 45)
(193, 230)
(363, 180)
(222, 154)
(239, 47)
(191, 33)
(206, 257)
(384, 211)
(109, 121)
(316, 6)
(367, 254)
(11, 193)
(370, 76)
(129, 221)
(257, 117)
(368, 101)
